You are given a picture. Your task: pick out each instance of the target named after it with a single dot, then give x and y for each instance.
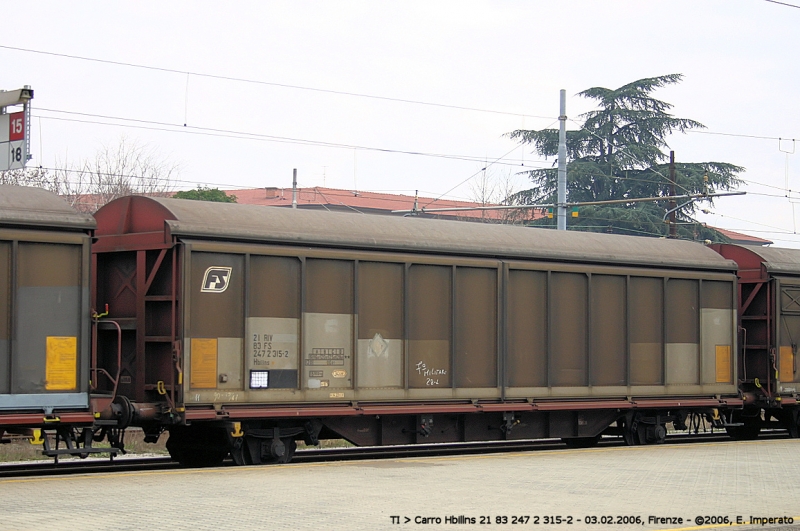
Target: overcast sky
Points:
(278, 71)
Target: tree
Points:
(38, 177)
(128, 168)
(206, 194)
(619, 153)
(490, 189)
(58, 181)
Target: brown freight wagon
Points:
(769, 313)
(44, 314)
(245, 328)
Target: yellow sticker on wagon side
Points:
(61, 365)
(723, 363)
(204, 363)
(787, 364)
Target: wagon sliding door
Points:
(429, 327)
(548, 333)
(5, 316)
(788, 332)
(452, 330)
(380, 325)
(43, 348)
(328, 327)
(216, 324)
(475, 333)
(273, 323)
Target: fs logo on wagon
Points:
(216, 279)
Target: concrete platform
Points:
(730, 479)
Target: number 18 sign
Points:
(13, 147)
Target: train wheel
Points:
(653, 434)
(629, 428)
(249, 450)
(636, 432)
(289, 447)
(240, 452)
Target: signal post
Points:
(15, 128)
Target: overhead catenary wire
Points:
(782, 3)
(303, 141)
(497, 160)
(782, 188)
(471, 176)
(256, 136)
(225, 133)
(577, 227)
(235, 134)
(270, 138)
(777, 196)
(780, 239)
(154, 125)
(583, 228)
(752, 222)
(229, 185)
(132, 176)
(739, 135)
(282, 85)
(424, 210)
(268, 83)
(354, 94)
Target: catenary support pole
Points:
(294, 188)
(673, 205)
(562, 163)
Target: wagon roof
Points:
(23, 206)
(777, 259)
(227, 221)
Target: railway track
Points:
(315, 455)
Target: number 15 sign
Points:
(13, 147)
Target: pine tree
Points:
(621, 152)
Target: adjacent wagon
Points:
(44, 311)
(769, 308)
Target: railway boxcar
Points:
(44, 312)
(246, 328)
(769, 314)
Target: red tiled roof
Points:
(371, 202)
(738, 237)
(381, 203)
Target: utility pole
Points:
(294, 188)
(673, 205)
(562, 163)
